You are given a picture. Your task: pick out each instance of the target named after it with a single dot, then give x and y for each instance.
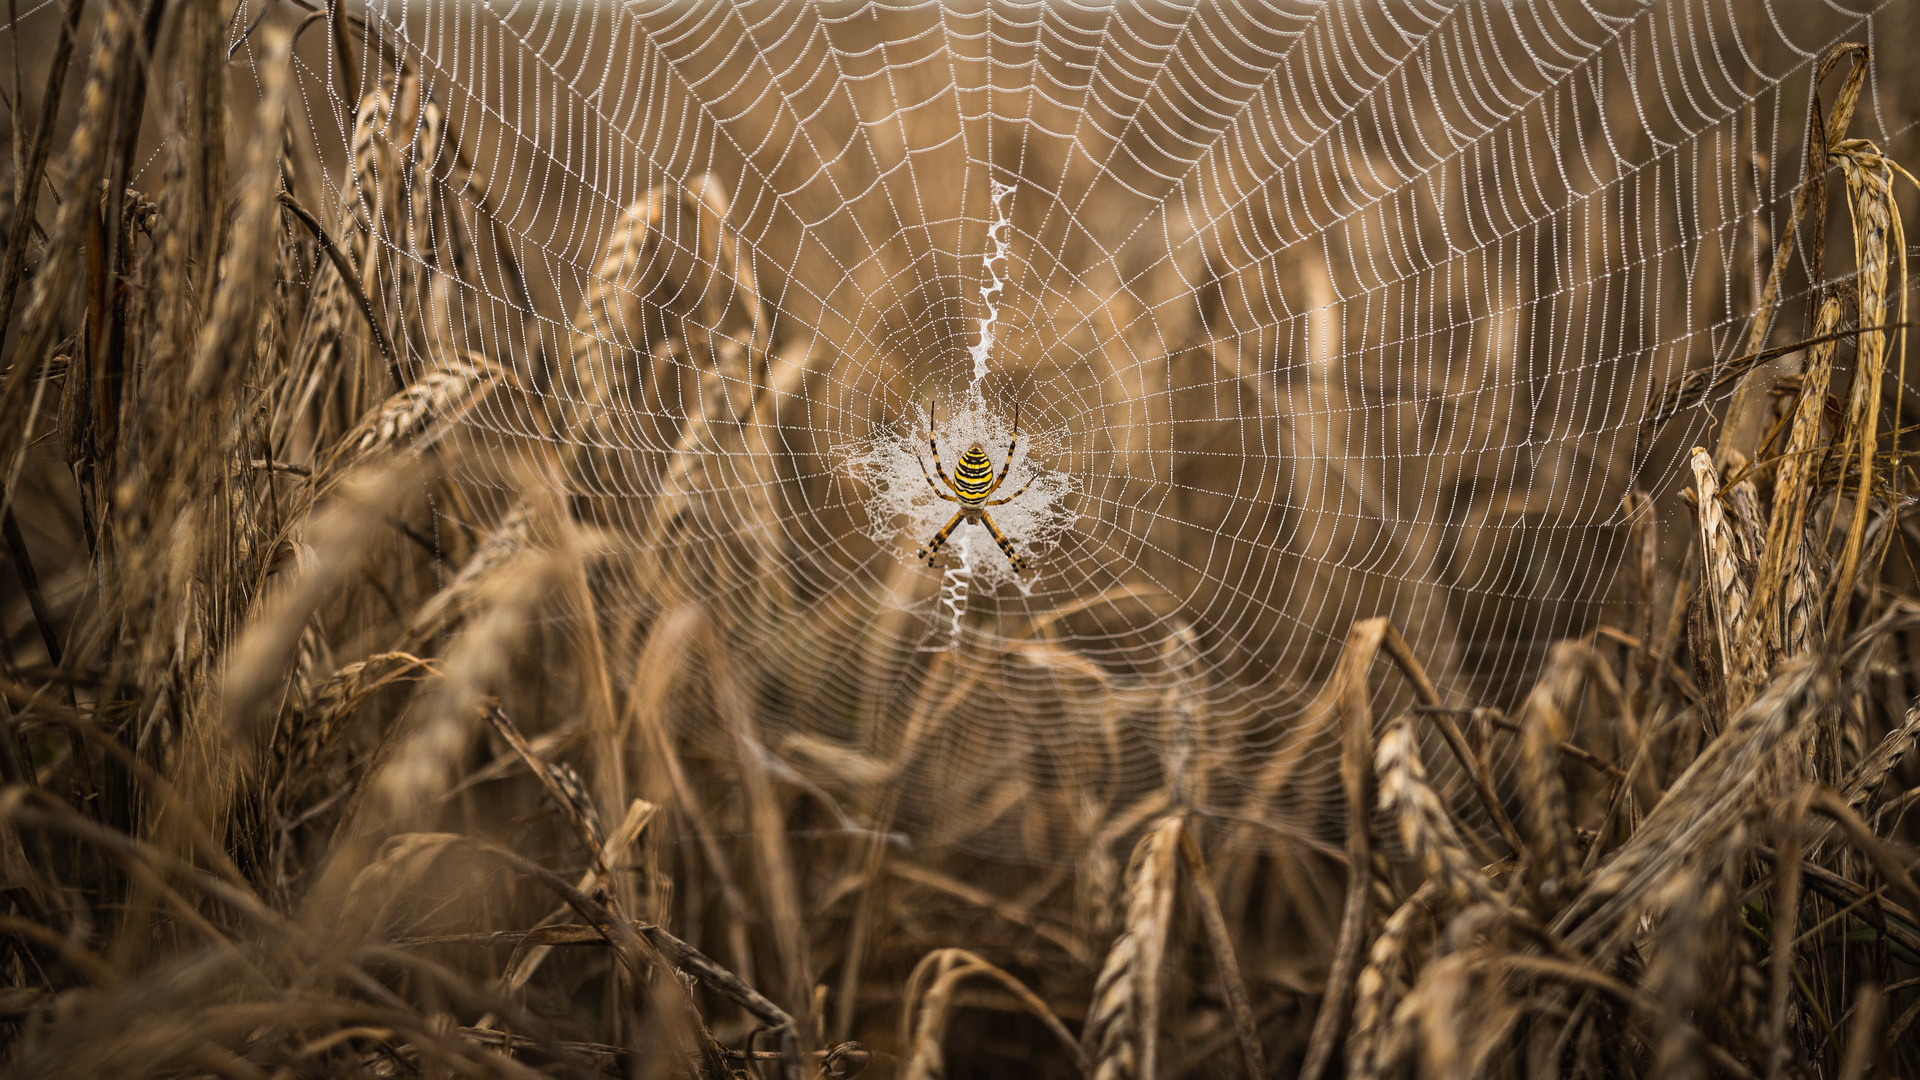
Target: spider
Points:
(973, 482)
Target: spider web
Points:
(1309, 311)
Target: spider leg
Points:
(933, 443)
(933, 546)
(1015, 495)
(930, 483)
(1018, 560)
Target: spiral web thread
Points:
(1312, 311)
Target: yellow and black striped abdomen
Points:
(973, 477)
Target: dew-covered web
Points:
(1308, 312)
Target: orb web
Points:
(1310, 312)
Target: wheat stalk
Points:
(425, 410)
(1425, 826)
(338, 538)
(86, 157)
(1122, 1036)
(1829, 133)
(421, 766)
(1699, 807)
(527, 959)
(1675, 975)
(249, 259)
(1786, 602)
(1452, 1018)
(1380, 985)
(929, 1003)
(321, 357)
(315, 723)
(509, 537)
(1724, 582)
(1554, 870)
(1873, 771)
(1876, 230)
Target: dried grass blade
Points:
(1786, 921)
(328, 329)
(1819, 135)
(584, 831)
(1348, 688)
(765, 811)
(1876, 231)
(523, 964)
(1476, 768)
(1221, 939)
(1743, 499)
(1895, 867)
(1784, 579)
(637, 945)
(1068, 942)
(1866, 1046)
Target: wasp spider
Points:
(973, 481)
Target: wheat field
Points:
(345, 736)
